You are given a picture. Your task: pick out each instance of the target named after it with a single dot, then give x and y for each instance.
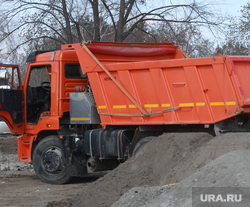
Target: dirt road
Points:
(19, 186)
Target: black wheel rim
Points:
(52, 160)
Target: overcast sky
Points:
(231, 7)
(221, 7)
(226, 7)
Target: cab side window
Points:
(73, 71)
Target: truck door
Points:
(38, 98)
(11, 96)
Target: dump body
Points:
(196, 91)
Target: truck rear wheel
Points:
(48, 162)
(139, 145)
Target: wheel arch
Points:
(41, 135)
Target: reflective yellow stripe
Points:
(80, 119)
(200, 104)
(186, 104)
(217, 103)
(119, 106)
(102, 107)
(151, 105)
(230, 103)
(132, 106)
(165, 105)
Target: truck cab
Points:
(51, 78)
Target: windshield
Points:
(39, 76)
(9, 78)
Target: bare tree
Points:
(46, 24)
(128, 15)
(237, 35)
(95, 7)
(55, 20)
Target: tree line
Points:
(47, 24)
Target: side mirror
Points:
(4, 78)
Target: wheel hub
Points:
(52, 160)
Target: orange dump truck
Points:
(90, 106)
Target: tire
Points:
(48, 162)
(141, 144)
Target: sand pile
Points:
(229, 170)
(167, 159)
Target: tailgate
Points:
(241, 69)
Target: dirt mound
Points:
(140, 196)
(229, 170)
(169, 158)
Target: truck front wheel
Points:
(48, 162)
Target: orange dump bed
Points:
(164, 86)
